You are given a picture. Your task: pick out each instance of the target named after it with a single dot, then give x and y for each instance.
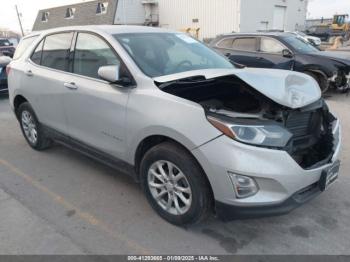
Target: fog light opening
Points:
(243, 186)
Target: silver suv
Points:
(200, 135)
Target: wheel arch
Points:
(323, 67)
(319, 72)
(153, 140)
(17, 101)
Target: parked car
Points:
(198, 133)
(4, 61)
(316, 41)
(324, 32)
(6, 47)
(289, 52)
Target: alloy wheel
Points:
(169, 187)
(29, 127)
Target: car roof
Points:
(276, 34)
(109, 29)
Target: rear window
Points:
(22, 46)
(36, 56)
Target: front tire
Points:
(31, 128)
(321, 80)
(175, 185)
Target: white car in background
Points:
(311, 39)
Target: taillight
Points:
(8, 69)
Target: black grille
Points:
(298, 123)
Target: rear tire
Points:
(31, 128)
(321, 80)
(160, 172)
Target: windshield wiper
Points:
(186, 81)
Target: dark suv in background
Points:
(4, 61)
(287, 51)
(6, 47)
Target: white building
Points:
(212, 17)
(215, 17)
(99, 12)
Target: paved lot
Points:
(59, 202)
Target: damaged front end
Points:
(341, 80)
(247, 115)
(339, 62)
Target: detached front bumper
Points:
(283, 184)
(340, 81)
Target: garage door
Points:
(279, 17)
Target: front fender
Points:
(154, 112)
(158, 131)
(321, 64)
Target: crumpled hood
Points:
(287, 88)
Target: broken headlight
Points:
(271, 135)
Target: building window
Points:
(101, 8)
(70, 13)
(45, 16)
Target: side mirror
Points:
(109, 73)
(11, 44)
(287, 53)
(237, 65)
(312, 42)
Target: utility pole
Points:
(19, 20)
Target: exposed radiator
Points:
(299, 123)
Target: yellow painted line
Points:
(91, 219)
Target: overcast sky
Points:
(29, 10)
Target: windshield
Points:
(4, 42)
(300, 45)
(159, 54)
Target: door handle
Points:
(29, 73)
(259, 58)
(71, 86)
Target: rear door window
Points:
(248, 44)
(23, 45)
(56, 51)
(226, 43)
